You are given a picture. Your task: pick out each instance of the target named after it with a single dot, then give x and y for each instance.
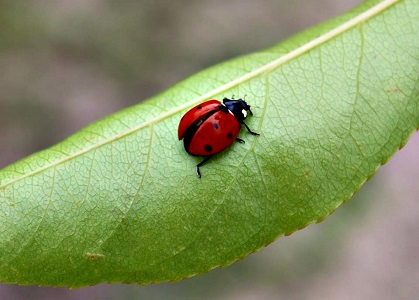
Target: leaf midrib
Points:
(368, 14)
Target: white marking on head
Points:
(244, 112)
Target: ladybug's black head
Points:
(238, 107)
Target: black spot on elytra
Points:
(229, 135)
(215, 125)
(199, 107)
(208, 148)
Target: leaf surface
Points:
(119, 201)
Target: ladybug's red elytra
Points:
(212, 126)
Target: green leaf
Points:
(119, 201)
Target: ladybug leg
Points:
(248, 129)
(200, 165)
(240, 140)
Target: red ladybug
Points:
(212, 126)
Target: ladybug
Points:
(212, 126)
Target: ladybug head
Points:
(238, 107)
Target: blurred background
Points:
(67, 63)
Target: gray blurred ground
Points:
(66, 63)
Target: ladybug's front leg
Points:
(248, 129)
(240, 140)
(200, 165)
